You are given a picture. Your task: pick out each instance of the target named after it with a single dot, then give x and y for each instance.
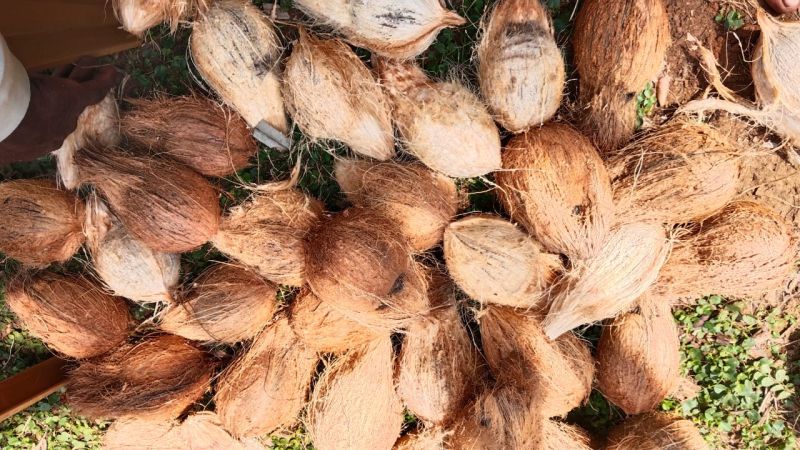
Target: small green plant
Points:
(731, 19)
(597, 416)
(294, 440)
(645, 102)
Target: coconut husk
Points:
(421, 202)
(265, 388)
(520, 67)
(236, 51)
(384, 27)
(555, 184)
(745, 250)
(601, 287)
(193, 130)
(615, 60)
(127, 267)
(226, 304)
(343, 414)
(168, 207)
(638, 357)
(355, 110)
(681, 163)
(494, 261)
(39, 224)
(138, 16)
(157, 379)
(655, 431)
(71, 315)
(556, 374)
(425, 439)
(443, 124)
(267, 233)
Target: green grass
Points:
(645, 103)
(730, 18)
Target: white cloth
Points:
(15, 91)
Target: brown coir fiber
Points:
(157, 378)
(193, 130)
(138, 16)
(39, 223)
(424, 439)
(226, 304)
(72, 315)
(655, 431)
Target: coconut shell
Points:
(555, 184)
(601, 287)
(236, 51)
(344, 413)
(420, 201)
(520, 70)
(442, 123)
(655, 431)
(494, 261)
(267, 233)
(39, 224)
(226, 304)
(615, 60)
(557, 374)
(170, 208)
(384, 27)
(265, 388)
(638, 357)
(355, 110)
(71, 315)
(138, 16)
(157, 379)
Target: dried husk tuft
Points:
(157, 378)
(425, 439)
(265, 388)
(385, 27)
(225, 304)
(442, 123)
(39, 223)
(554, 183)
(421, 202)
(655, 431)
(71, 315)
(138, 16)
(494, 261)
(521, 70)
(355, 110)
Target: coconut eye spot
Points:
(398, 285)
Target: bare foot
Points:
(783, 6)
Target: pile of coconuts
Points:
(343, 319)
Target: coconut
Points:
(438, 362)
(554, 183)
(126, 266)
(157, 378)
(71, 315)
(225, 304)
(39, 224)
(442, 123)
(421, 202)
(355, 110)
(192, 130)
(168, 207)
(267, 233)
(626, 266)
(615, 60)
(745, 250)
(494, 261)
(557, 374)
(354, 404)
(425, 439)
(138, 16)
(638, 357)
(236, 51)
(384, 27)
(655, 431)
(681, 163)
(520, 70)
(265, 388)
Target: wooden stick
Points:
(31, 385)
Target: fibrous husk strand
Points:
(138, 16)
(655, 431)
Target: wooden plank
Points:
(31, 385)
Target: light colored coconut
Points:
(655, 431)
(425, 439)
(138, 16)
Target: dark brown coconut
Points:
(615, 60)
(193, 130)
(655, 431)
(224, 304)
(39, 223)
(265, 388)
(72, 315)
(169, 207)
(554, 183)
(157, 378)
